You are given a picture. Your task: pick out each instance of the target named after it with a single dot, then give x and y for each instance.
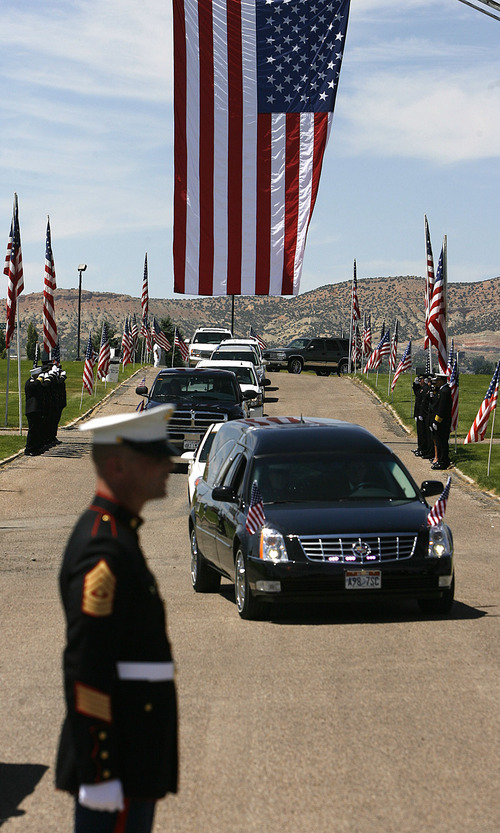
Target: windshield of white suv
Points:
(210, 338)
(226, 354)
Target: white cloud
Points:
(438, 116)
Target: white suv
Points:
(204, 342)
(242, 349)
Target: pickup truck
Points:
(323, 355)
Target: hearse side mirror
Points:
(431, 487)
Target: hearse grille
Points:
(371, 548)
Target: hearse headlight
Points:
(440, 543)
(272, 546)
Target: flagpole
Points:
(19, 372)
(491, 442)
(445, 289)
(7, 388)
(350, 322)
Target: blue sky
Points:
(87, 137)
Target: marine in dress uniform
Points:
(33, 411)
(118, 746)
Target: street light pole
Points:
(81, 269)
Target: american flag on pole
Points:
(145, 290)
(429, 280)
(367, 335)
(49, 318)
(14, 270)
(255, 83)
(104, 354)
(404, 364)
(357, 346)
(159, 336)
(146, 333)
(436, 514)
(437, 315)
(255, 517)
(126, 345)
(88, 367)
(355, 303)
(394, 348)
(453, 384)
(181, 344)
(255, 335)
(478, 428)
(382, 349)
(134, 332)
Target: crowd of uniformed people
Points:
(432, 412)
(45, 394)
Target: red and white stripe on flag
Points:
(245, 181)
(49, 318)
(14, 270)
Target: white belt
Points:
(150, 671)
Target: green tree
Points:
(31, 340)
(3, 350)
(168, 328)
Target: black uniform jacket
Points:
(114, 728)
(442, 409)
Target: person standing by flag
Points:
(441, 424)
(118, 746)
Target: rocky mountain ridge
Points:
(473, 312)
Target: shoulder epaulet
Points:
(102, 516)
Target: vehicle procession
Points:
(294, 508)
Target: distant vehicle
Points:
(343, 519)
(197, 459)
(241, 352)
(201, 397)
(324, 355)
(204, 342)
(247, 380)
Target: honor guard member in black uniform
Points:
(33, 410)
(441, 424)
(118, 746)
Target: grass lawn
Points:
(12, 442)
(472, 458)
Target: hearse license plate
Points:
(191, 445)
(363, 579)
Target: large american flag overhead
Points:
(254, 93)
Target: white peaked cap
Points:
(138, 427)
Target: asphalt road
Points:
(355, 719)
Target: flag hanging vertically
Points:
(429, 280)
(436, 514)
(367, 335)
(14, 270)
(437, 313)
(104, 354)
(134, 332)
(404, 364)
(254, 93)
(49, 285)
(159, 336)
(393, 360)
(489, 403)
(126, 345)
(453, 384)
(355, 303)
(145, 290)
(357, 346)
(88, 367)
(181, 344)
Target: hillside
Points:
(473, 320)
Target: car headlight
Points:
(440, 543)
(195, 352)
(272, 546)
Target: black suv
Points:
(201, 396)
(324, 355)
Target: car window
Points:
(330, 477)
(236, 355)
(210, 338)
(299, 343)
(231, 476)
(316, 344)
(196, 386)
(206, 446)
(332, 345)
